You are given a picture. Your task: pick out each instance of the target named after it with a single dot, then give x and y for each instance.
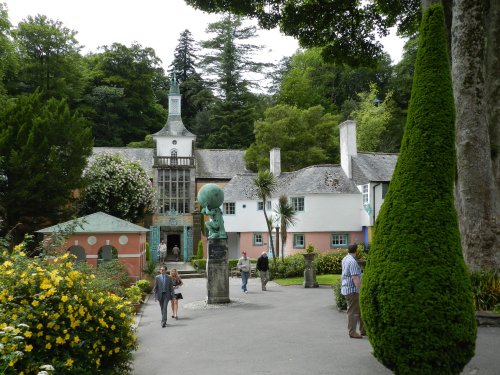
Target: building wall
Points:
(132, 253)
(184, 146)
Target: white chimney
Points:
(347, 145)
(275, 161)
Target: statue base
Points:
(217, 272)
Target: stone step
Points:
(192, 275)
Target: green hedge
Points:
(416, 299)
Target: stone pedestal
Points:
(217, 271)
(309, 273)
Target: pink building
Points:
(100, 237)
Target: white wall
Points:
(323, 212)
(164, 146)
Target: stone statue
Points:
(211, 197)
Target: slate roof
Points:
(219, 164)
(316, 179)
(98, 222)
(144, 156)
(371, 166)
(174, 127)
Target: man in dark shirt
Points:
(263, 267)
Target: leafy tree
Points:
(45, 147)
(229, 63)
(124, 95)
(265, 183)
(196, 95)
(416, 298)
(373, 118)
(49, 59)
(402, 78)
(311, 81)
(147, 143)
(305, 137)
(8, 57)
(287, 218)
(117, 187)
(184, 64)
(106, 109)
(346, 30)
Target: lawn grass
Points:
(321, 279)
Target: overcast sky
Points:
(151, 23)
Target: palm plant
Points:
(287, 218)
(265, 183)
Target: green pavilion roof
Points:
(98, 222)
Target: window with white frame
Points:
(260, 205)
(340, 240)
(257, 239)
(299, 240)
(364, 191)
(297, 203)
(229, 208)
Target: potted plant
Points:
(133, 295)
(145, 286)
(309, 272)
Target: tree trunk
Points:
(476, 195)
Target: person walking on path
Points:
(351, 282)
(244, 267)
(177, 281)
(163, 291)
(263, 267)
(176, 252)
(162, 251)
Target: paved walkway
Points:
(286, 330)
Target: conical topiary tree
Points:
(416, 299)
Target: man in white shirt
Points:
(162, 251)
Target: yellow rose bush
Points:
(60, 319)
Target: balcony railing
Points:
(174, 162)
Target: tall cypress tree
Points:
(416, 299)
(196, 95)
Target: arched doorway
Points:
(173, 239)
(79, 253)
(106, 253)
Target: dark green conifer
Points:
(416, 299)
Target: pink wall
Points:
(135, 248)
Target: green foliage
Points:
(416, 298)
(133, 294)
(343, 30)
(486, 289)
(111, 276)
(148, 252)
(330, 263)
(199, 252)
(340, 300)
(147, 143)
(118, 187)
(45, 148)
(287, 218)
(265, 184)
(294, 130)
(150, 268)
(126, 95)
(49, 60)
(290, 266)
(144, 286)
(65, 321)
(200, 264)
(373, 120)
(229, 60)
